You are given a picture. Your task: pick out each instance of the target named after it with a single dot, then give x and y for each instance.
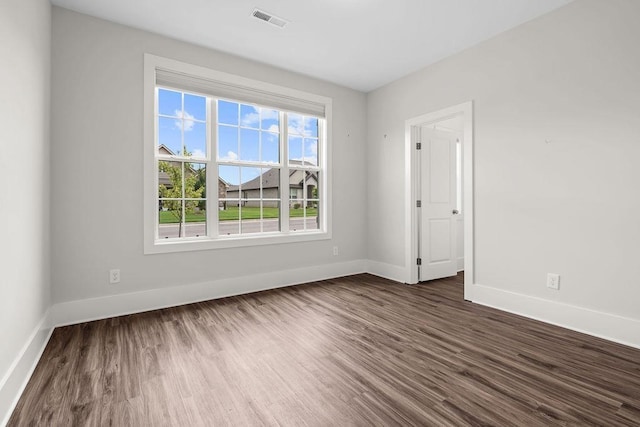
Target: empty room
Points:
(348, 212)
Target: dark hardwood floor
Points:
(353, 351)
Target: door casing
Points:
(465, 111)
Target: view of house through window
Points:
(263, 162)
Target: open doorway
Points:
(439, 159)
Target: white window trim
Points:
(150, 212)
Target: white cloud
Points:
(311, 151)
(297, 126)
(312, 147)
(253, 119)
(269, 114)
(187, 120)
(230, 156)
(274, 128)
(295, 130)
(198, 153)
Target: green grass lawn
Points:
(231, 213)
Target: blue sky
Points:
(245, 132)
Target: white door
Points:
(438, 215)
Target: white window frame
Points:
(152, 244)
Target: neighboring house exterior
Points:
(270, 188)
(163, 178)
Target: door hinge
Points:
(418, 203)
(419, 261)
(418, 146)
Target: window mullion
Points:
(183, 228)
(284, 173)
(305, 202)
(321, 176)
(213, 181)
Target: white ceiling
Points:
(362, 44)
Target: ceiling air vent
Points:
(267, 17)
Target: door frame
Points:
(464, 110)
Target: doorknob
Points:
(455, 212)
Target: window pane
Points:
(296, 183)
(249, 145)
(250, 221)
(312, 178)
(195, 139)
(227, 143)
(270, 216)
(222, 187)
(270, 147)
(169, 103)
(311, 216)
(295, 150)
(169, 180)
(270, 120)
(231, 176)
(249, 116)
(295, 124)
(170, 219)
(228, 112)
(311, 151)
(296, 215)
(250, 185)
(311, 127)
(293, 193)
(229, 218)
(303, 200)
(303, 216)
(195, 106)
(195, 181)
(169, 136)
(270, 182)
(195, 218)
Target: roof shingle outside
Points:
(271, 178)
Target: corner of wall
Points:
(387, 271)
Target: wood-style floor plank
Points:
(355, 351)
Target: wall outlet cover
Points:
(553, 281)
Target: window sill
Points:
(203, 243)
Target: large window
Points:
(233, 165)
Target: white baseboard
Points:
(388, 271)
(17, 377)
(622, 330)
(67, 313)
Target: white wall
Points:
(25, 38)
(569, 206)
(97, 178)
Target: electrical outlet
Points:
(335, 251)
(553, 281)
(114, 276)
